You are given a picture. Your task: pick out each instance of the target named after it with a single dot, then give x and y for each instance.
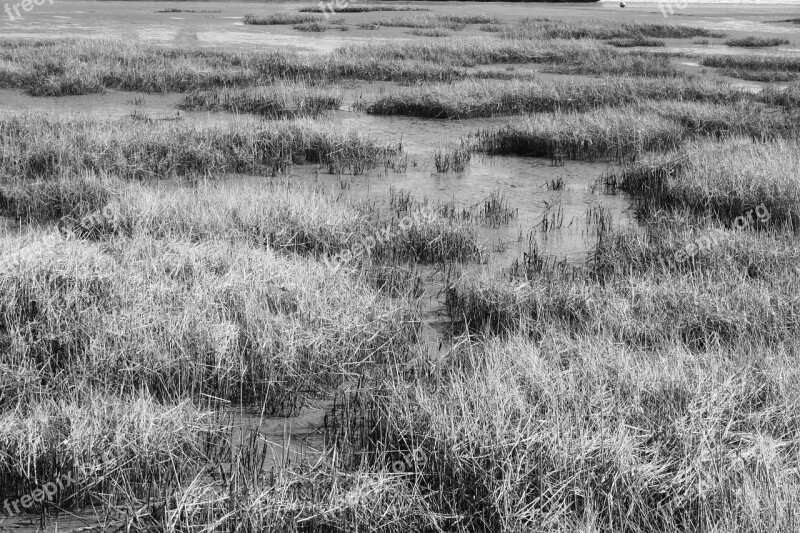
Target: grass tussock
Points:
(563, 56)
(312, 26)
(280, 18)
(754, 63)
(364, 8)
(471, 99)
(281, 101)
(580, 29)
(724, 178)
(184, 319)
(614, 133)
(447, 21)
(37, 147)
(756, 42)
(521, 433)
(636, 41)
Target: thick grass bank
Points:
(280, 101)
(725, 179)
(472, 99)
(624, 132)
(191, 319)
(41, 147)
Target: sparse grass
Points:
(452, 158)
(756, 42)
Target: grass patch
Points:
(636, 41)
(469, 99)
(282, 101)
(314, 26)
(756, 42)
(43, 148)
(552, 29)
(363, 8)
(430, 32)
(724, 179)
(280, 18)
(772, 63)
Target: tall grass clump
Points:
(363, 8)
(452, 159)
(617, 133)
(724, 178)
(756, 42)
(754, 63)
(589, 435)
(280, 18)
(528, 28)
(563, 56)
(280, 101)
(485, 98)
(36, 147)
(184, 319)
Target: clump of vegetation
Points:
(281, 101)
(430, 32)
(447, 21)
(452, 158)
(756, 42)
(469, 99)
(615, 133)
(315, 26)
(753, 63)
(280, 18)
(528, 28)
(42, 148)
(364, 8)
(721, 178)
(636, 41)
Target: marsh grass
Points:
(452, 158)
(363, 8)
(88, 66)
(430, 32)
(280, 101)
(183, 319)
(756, 42)
(313, 26)
(528, 28)
(446, 21)
(485, 98)
(564, 56)
(281, 18)
(721, 178)
(614, 133)
(636, 41)
(754, 63)
(37, 147)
